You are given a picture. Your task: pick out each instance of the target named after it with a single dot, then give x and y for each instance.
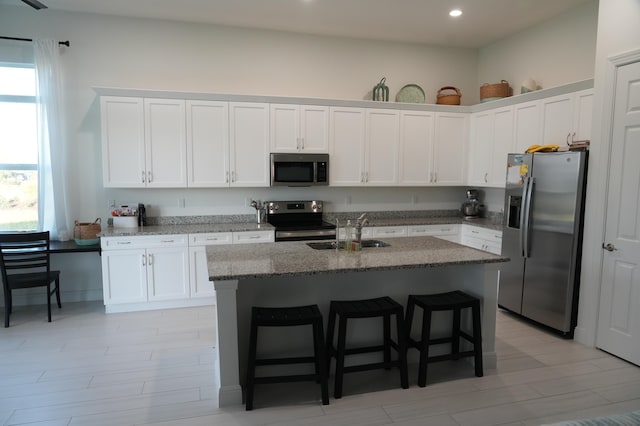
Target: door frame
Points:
(597, 196)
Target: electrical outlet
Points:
(181, 203)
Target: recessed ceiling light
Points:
(455, 13)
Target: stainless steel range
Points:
(299, 221)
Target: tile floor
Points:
(155, 368)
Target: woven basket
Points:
(497, 90)
(448, 98)
(87, 231)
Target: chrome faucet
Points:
(361, 222)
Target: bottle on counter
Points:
(348, 236)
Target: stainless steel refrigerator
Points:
(543, 218)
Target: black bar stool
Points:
(383, 307)
(287, 317)
(452, 301)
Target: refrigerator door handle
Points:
(523, 208)
(527, 216)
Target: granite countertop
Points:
(195, 228)
(185, 229)
(297, 258)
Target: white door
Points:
(285, 128)
(124, 276)
(481, 149)
(502, 146)
(207, 144)
(619, 316)
(249, 144)
(382, 137)
(557, 120)
(527, 126)
(346, 146)
(168, 273)
(416, 146)
(450, 156)
(165, 142)
(314, 129)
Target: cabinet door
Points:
(450, 148)
(314, 129)
(207, 144)
(285, 128)
(526, 125)
(415, 148)
(557, 120)
(481, 148)
(249, 144)
(346, 146)
(502, 146)
(168, 273)
(123, 153)
(253, 237)
(124, 276)
(382, 137)
(199, 273)
(583, 115)
(165, 142)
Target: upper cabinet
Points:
(364, 146)
(249, 144)
(449, 160)
(143, 142)
(207, 144)
(299, 128)
(416, 148)
(526, 123)
(490, 142)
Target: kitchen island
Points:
(292, 273)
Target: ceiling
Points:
(414, 21)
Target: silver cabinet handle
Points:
(143, 175)
(485, 177)
(226, 177)
(233, 176)
(609, 247)
(144, 260)
(167, 241)
(150, 259)
(149, 176)
(435, 177)
(302, 144)
(122, 243)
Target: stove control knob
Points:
(318, 206)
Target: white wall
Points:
(618, 32)
(556, 52)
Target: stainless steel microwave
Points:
(299, 169)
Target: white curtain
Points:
(52, 199)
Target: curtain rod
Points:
(64, 43)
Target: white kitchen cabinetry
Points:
(364, 147)
(490, 142)
(482, 238)
(449, 232)
(526, 123)
(449, 162)
(346, 146)
(123, 149)
(249, 144)
(299, 128)
(144, 269)
(381, 148)
(198, 271)
(207, 144)
(143, 142)
(416, 148)
(389, 231)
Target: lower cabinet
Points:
(449, 232)
(482, 238)
(201, 287)
(168, 271)
(145, 269)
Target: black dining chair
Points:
(25, 263)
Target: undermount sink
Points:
(329, 245)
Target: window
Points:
(18, 148)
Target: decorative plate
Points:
(411, 93)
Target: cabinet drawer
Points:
(432, 230)
(252, 237)
(210, 238)
(389, 231)
(130, 242)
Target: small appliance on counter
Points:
(472, 208)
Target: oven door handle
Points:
(303, 234)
